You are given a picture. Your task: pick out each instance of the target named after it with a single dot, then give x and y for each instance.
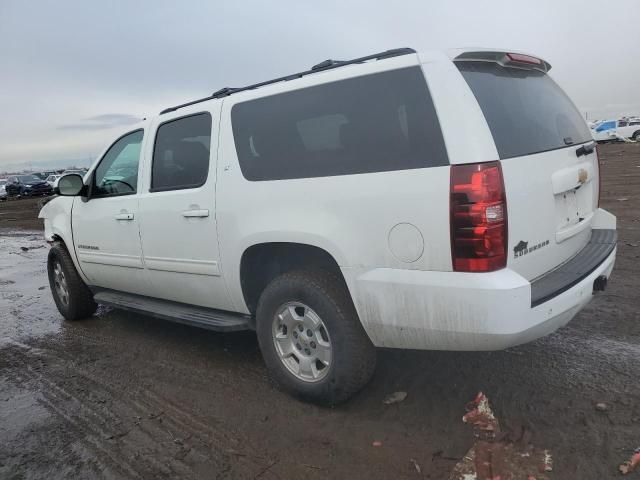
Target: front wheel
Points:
(311, 338)
(636, 136)
(71, 295)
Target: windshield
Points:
(29, 178)
(527, 112)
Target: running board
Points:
(217, 320)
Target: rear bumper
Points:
(552, 284)
(463, 311)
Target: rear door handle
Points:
(195, 213)
(124, 216)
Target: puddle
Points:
(26, 305)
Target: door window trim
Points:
(93, 173)
(153, 154)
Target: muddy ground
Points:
(126, 396)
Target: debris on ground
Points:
(631, 464)
(416, 465)
(494, 454)
(377, 443)
(26, 249)
(602, 407)
(395, 397)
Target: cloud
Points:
(74, 71)
(102, 122)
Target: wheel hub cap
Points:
(302, 341)
(60, 283)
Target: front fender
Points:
(57, 226)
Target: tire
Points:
(78, 302)
(636, 136)
(352, 355)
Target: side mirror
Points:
(70, 185)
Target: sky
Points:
(74, 74)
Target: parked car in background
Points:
(53, 180)
(616, 130)
(347, 207)
(77, 171)
(27, 186)
(3, 191)
(44, 175)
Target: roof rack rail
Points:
(322, 66)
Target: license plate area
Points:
(568, 213)
(574, 211)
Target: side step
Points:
(217, 320)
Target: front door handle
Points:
(124, 216)
(195, 213)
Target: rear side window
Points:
(181, 153)
(373, 123)
(526, 110)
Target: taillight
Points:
(478, 217)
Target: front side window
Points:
(181, 153)
(117, 173)
(373, 123)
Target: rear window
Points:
(526, 110)
(373, 123)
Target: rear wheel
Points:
(636, 136)
(72, 297)
(311, 338)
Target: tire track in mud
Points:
(144, 418)
(59, 401)
(97, 426)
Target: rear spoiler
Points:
(506, 59)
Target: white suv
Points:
(405, 200)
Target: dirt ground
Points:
(126, 396)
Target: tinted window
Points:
(622, 123)
(373, 123)
(117, 173)
(526, 110)
(634, 122)
(181, 153)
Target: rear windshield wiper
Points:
(586, 149)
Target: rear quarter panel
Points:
(351, 216)
(348, 216)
